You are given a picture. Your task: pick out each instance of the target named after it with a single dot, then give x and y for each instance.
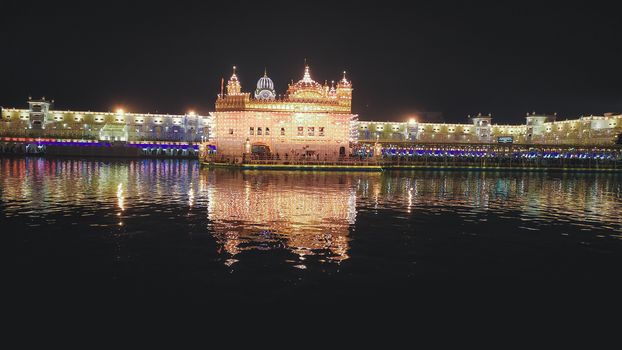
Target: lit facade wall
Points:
(286, 134)
(591, 130)
(92, 125)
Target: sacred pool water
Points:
(143, 231)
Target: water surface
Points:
(119, 230)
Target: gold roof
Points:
(306, 95)
(306, 88)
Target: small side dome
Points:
(265, 88)
(265, 83)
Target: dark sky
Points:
(457, 58)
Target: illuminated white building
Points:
(311, 121)
(538, 129)
(40, 120)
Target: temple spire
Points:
(307, 75)
(233, 85)
(344, 83)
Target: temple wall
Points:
(292, 134)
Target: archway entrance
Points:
(342, 151)
(260, 151)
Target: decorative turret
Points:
(344, 83)
(233, 85)
(332, 93)
(344, 91)
(234, 98)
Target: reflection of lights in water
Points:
(310, 213)
(230, 262)
(120, 199)
(352, 208)
(191, 196)
(210, 203)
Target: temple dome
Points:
(306, 87)
(306, 82)
(265, 88)
(265, 83)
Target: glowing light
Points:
(120, 111)
(191, 196)
(120, 198)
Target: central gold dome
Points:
(306, 88)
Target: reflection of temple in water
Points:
(307, 213)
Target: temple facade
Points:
(311, 121)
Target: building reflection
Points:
(53, 185)
(306, 213)
(539, 197)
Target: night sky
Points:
(457, 58)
